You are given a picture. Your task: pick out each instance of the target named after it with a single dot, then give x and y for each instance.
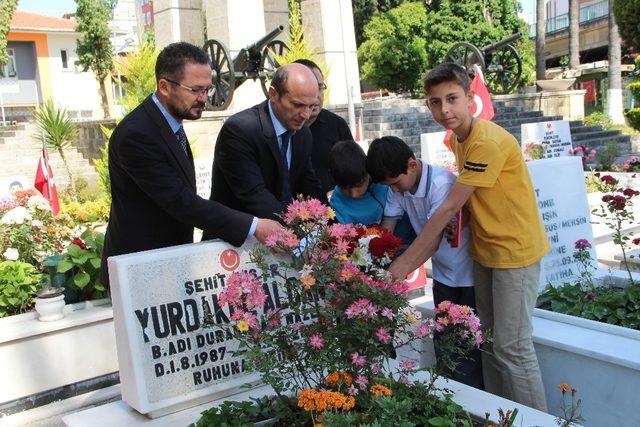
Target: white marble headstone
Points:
(554, 136)
(434, 152)
(168, 359)
(562, 202)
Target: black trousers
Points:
(469, 370)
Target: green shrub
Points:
(633, 118)
(607, 156)
(18, 284)
(599, 118)
(83, 259)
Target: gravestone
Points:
(562, 202)
(169, 359)
(434, 152)
(204, 170)
(554, 137)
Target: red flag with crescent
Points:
(45, 182)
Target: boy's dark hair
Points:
(388, 157)
(447, 72)
(173, 58)
(308, 63)
(347, 164)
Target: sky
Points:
(60, 7)
(55, 8)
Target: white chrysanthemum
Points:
(11, 254)
(306, 270)
(36, 223)
(17, 215)
(39, 202)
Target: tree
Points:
(626, 14)
(404, 42)
(614, 89)
(364, 10)
(7, 7)
(541, 33)
(574, 34)
(394, 54)
(59, 132)
(94, 47)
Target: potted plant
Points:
(325, 347)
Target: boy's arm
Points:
(427, 242)
(389, 224)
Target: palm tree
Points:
(59, 132)
(574, 34)
(614, 89)
(541, 33)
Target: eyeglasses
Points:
(322, 86)
(194, 91)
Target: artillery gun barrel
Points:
(497, 45)
(261, 43)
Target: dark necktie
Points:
(286, 178)
(182, 139)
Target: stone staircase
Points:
(408, 118)
(20, 153)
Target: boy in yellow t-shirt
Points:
(508, 238)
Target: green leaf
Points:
(95, 262)
(64, 266)
(81, 279)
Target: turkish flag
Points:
(482, 106)
(45, 182)
(417, 279)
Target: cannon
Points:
(500, 62)
(256, 61)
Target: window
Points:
(10, 69)
(65, 59)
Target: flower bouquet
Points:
(325, 344)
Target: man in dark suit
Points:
(153, 188)
(327, 128)
(262, 157)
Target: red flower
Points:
(78, 242)
(617, 202)
(636, 241)
(630, 192)
(385, 244)
(582, 244)
(609, 180)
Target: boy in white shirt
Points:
(418, 190)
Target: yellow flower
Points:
(242, 325)
(330, 213)
(411, 318)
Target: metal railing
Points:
(588, 13)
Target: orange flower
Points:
(378, 390)
(312, 400)
(564, 387)
(339, 378)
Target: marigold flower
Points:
(339, 378)
(564, 387)
(378, 390)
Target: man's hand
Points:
(399, 269)
(265, 228)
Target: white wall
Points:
(72, 89)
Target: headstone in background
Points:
(204, 170)
(553, 137)
(168, 359)
(434, 152)
(562, 202)
(10, 184)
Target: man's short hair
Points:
(174, 57)
(279, 80)
(308, 63)
(387, 158)
(447, 72)
(347, 164)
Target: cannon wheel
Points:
(503, 70)
(466, 55)
(269, 64)
(223, 78)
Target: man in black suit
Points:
(153, 188)
(327, 128)
(262, 157)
